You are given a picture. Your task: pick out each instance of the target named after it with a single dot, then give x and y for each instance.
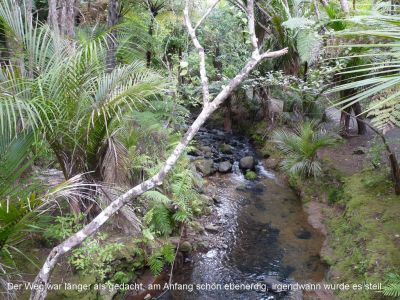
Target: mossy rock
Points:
(250, 175)
(225, 148)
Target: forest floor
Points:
(355, 206)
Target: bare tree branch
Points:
(202, 56)
(43, 277)
(209, 10)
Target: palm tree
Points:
(23, 201)
(375, 82)
(300, 148)
(64, 91)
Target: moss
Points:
(250, 175)
(364, 237)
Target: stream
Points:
(263, 235)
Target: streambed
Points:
(263, 235)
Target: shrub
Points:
(300, 148)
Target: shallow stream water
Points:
(264, 233)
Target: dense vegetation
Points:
(100, 101)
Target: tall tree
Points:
(112, 20)
(52, 18)
(154, 8)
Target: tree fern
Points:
(309, 44)
(385, 112)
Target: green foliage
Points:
(157, 261)
(64, 226)
(392, 285)
(95, 257)
(300, 148)
(308, 45)
(364, 234)
(375, 80)
(71, 96)
(334, 195)
(159, 219)
(250, 175)
(375, 152)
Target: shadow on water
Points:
(267, 236)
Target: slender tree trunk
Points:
(228, 115)
(361, 127)
(52, 18)
(70, 18)
(324, 3)
(149, 53)
(63, 17)
(112, 20)
(29, 7)
(305, 72)
(227, 106)
(345, 7)
(3, 45)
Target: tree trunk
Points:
(112, 20)
(324, 3)
(52, 18)
(63, 17)
(4, 49)
(228, 115)
(154, 13)
(29, 7)
(345, 7)
(361, 127)
(70, 18)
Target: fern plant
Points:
(158, 259)
(392, 285)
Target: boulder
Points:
(197, 226)
(226, 148)
(205, 149)
(207, 200)
(207, 210)
(185, 247)
(205, 166)
(211, 228)
(360, 150)
(224, 167)
(247, 163)
(271, 163)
